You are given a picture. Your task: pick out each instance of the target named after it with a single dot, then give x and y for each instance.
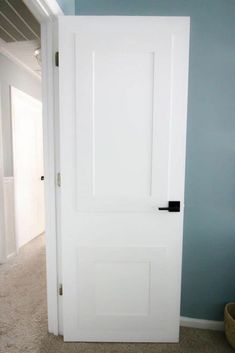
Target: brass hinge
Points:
(57, 58)
(60, 289)
(58, 179)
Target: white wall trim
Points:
(53, 6)
(11, 255)
(50, 175)
(202, 324)
(9, 216)
(44, 9)
(3, 255)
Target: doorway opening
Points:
(21, 120)
(22, 254)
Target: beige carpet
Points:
(23, 319)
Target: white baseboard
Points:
(9, 215)
(10, 255)
(202, 324)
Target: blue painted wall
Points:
(67, 6)
(209, 231)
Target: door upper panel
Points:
(125, 107)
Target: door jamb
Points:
(46, 12)
(2, 215)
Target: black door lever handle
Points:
(173, 206)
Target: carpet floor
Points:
(23, 318)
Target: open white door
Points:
(123, 107)
(28, 166)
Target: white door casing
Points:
(123, 109)
(28, 166)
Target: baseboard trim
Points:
(10, 255)
(202, 324)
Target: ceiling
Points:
(19, 34)
(16, 22)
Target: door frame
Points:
(2, 215)
(46, 12)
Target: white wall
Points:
(13, 75)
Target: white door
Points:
(28, 166)
(123, 104)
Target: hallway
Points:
(23, 319)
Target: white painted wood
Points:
(57, 167)
(9, 213)
(3, 255)
(48, 91)
(11, 255)
(123, 107)
(28, 166)
(53, 6)
(202, 324)
(44, 10)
